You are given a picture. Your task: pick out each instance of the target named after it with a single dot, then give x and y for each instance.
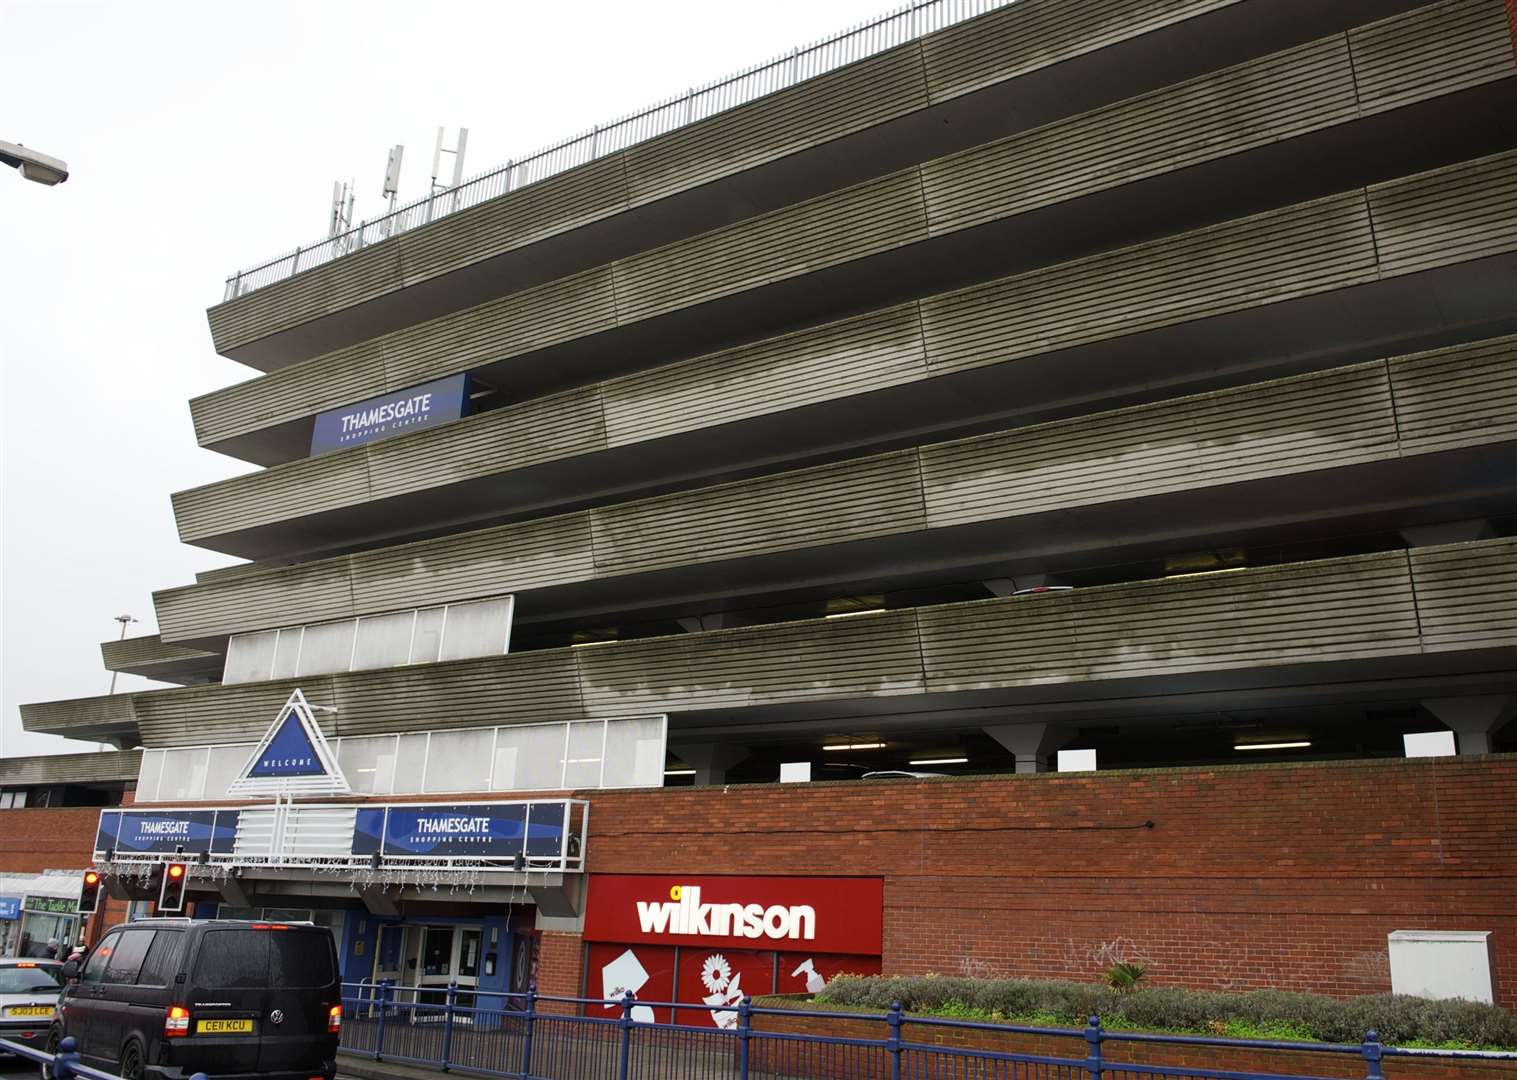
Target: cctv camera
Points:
(39, 168)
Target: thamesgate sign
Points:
(404, 411)
(129, 832)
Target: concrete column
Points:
(1448, 532)
(695, 624)
(1474, 718)
(709, 760)
(1031, 744)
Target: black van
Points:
(162, 999)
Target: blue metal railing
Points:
(535, 1036)
(64, 1065)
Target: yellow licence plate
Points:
(224, 1027)
(29, 1010)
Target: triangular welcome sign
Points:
(292, 759)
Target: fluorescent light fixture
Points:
(1272, 745)
(940, 761)
(679, 772)
(856, 746)
(1203, 573)
(851, 614)
(583, 760)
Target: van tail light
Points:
(270, 926)
(176, 1022)
(334, 1019)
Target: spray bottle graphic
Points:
(815, 984)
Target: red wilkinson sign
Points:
(825, 914)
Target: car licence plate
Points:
(224, 1027)
(29, 1010)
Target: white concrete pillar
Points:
(1031, 744)
(709, 760)
(1474, 718)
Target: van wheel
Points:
(131, 1061)
(54, 1037)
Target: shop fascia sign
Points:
(292, 758)
(827, 914)
(51, 905)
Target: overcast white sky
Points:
(203, 138)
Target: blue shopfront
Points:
(417, 895)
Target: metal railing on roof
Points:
(897, 27)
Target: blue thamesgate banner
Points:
(461, 830)
(10, 907)
(431, 403)
(289, 753)
(193, 831)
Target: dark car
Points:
(28, 992)
(162, 999)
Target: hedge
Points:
(1397, 1018)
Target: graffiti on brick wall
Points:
(1103, 954)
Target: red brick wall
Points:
(1511, 14)
(33, 840)
(559, 966)
(1253, 876)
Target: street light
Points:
(36, 167)
(123, 620)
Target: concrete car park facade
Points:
(1128, 379)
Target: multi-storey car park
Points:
(1129, 379)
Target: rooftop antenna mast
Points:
(457, 150)
(392, 185)
(340, 223)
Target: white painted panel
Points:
(1077, 761)
(1442, 964)
(1429, 744)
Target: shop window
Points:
(585, 754)
(478, 629)
(183, 774)
(426, 643)
(416, 636)
(459, 761)
(369, 764)
(327, 647)
(148, 774)
(287, 653)
(529, 758)
(383, 641)
(410, 763)
(645, 970)
(249, 657)
(634, 753)
(222, 768)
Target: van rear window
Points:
(231, 959)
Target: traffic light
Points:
(171, 892)
(89, 892)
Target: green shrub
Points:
(1269, 1014)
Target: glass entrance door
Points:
(448, 954)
